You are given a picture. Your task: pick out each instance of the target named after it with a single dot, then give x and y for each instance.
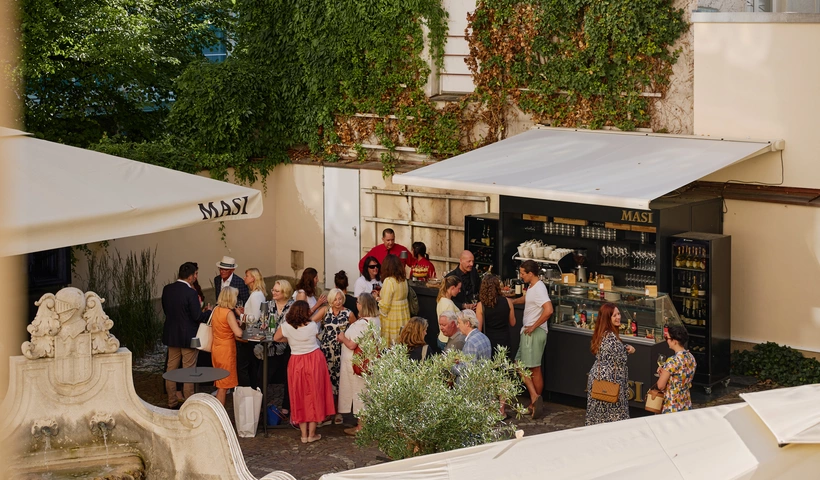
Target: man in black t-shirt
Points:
(467, 298)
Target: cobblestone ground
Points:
(283, 450)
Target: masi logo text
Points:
(238, 206)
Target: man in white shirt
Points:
(537, 310)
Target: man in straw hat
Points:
(226, 278)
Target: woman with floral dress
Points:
(334, 319)
(610, 365)
(675, 377)
(279, 352)
(394, 312)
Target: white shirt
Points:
(254, 304)
(302, 340)
(311, 300)
(364, 285)
(227, 283)
(536, 297)
(185, 282)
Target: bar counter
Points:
(567, 358)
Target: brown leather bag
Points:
(605, 391)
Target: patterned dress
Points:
(331, 326)
(682, 367)
(610, 365)
(394, 313)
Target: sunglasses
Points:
(372, 266)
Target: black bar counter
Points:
(567, 358)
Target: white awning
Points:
(618, 169)
(61, 196)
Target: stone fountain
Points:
(71, 410)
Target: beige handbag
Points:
(605, 391)
(654, 400)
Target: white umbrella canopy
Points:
(60, 196)
(720, 443)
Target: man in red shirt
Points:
(389, 246)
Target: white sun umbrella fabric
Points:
(62, 196)
(694, 445)
(792, 414)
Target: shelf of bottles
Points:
(690, 283)
(481, 238)
(701, 287)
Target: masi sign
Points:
(211, 210)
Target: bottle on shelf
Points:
(682, 282)
(634, 325)
(679, 259)
(701, 290)
(694, 288)
(703, 259)
(687, 285)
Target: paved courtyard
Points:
(283, 450)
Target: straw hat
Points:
(228, 263)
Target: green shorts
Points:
(531, 348)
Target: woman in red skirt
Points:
(311, 395)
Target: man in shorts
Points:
(537, 310)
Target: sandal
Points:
(305, 439)
(338, 419)
(314, 439)
(324, 424)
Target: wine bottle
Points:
(694, 287)
(687, 285)
(679, 257)
(701, 290)
(682, 282)
(703, 259)
(634, 325)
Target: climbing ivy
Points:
(337, 75)
(572, 63)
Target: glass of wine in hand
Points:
(661, 361)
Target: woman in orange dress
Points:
(225, 333)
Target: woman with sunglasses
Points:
(370, 279)
(675, 376)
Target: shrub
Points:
(416, 408)
(782, 365)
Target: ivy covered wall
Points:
(325, 78)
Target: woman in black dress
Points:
(495, 313)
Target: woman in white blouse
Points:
(370, 279)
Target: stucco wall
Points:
(759, 80)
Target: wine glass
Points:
(661, 361)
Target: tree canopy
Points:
(107, 67)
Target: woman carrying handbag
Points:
(676, 375)
(607, 382)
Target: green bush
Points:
(782, 365)
(416, 408)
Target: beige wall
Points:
(299, 217)
(760, 81)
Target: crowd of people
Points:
(312, 350)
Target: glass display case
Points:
(643, 317)
(567, 357)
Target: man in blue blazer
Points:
(183, 314)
